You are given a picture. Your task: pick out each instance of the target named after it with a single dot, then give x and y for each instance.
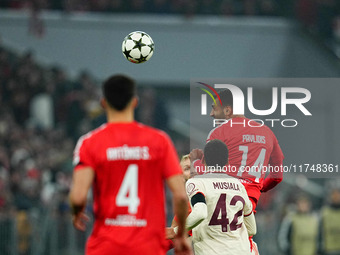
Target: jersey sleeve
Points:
(275, 175)
(214, 134)
(82, 155)
(276, 157)
(248, 206)
(170, 159)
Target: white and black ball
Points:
(138, 47)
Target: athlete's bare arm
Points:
(82, 182)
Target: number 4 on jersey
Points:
(128, 191)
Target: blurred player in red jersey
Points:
(126, 163)
(252, 148)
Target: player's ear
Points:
(103, 103)
(135, 101)
(227, 110)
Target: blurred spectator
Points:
(161, 6)
(138, 6)
(298, 233)
(267, 8)
(330, 225)
(24, 233)
(117, 6)
(152, 110)
(325, 18)
(226, 7)
(306, 11)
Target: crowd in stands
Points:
(308, 11)
(320, 17)
(189, 7)
(33, 151)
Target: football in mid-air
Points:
(138, 47)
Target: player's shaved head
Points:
(216, 153)
(118, 90)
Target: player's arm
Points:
(199, 211)
(249, 217)
(275, 175)
(180, 201)
(249, 221)
(81, 184)
(198, 214)
(198, 204)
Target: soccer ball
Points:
(138, 47)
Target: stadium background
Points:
(54, 54)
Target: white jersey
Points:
(223, 231)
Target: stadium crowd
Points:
(319, 17)
(189, 7)
(309, 11)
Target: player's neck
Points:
(120, 116)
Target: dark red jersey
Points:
(131, 162)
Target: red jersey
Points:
(252, 148)
(131, 162)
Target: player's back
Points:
(130, 164)
(223, 231)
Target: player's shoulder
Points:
(91, 135)
(191, 181)
(261, 127)
(325, 210)
(149, 129)
(217, 130)
(268, 129)
(235, 180)
(238, 182)
(193, 185)
(154, 133)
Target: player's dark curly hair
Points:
(216, 153)
(118, 91)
